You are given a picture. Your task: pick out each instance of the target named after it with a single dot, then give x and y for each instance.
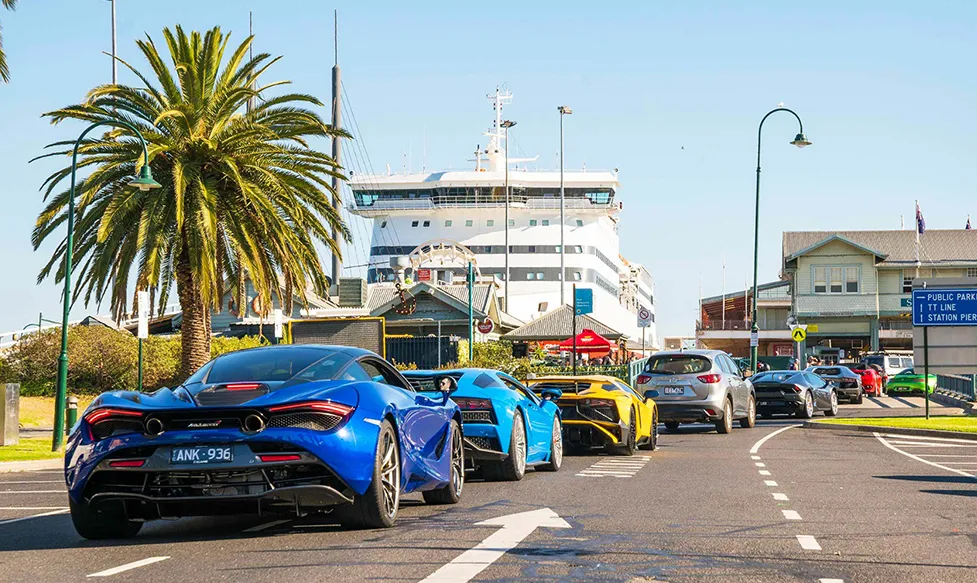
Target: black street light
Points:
(507, 124)
(800, 141)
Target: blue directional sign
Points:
(945, 307)
(583, 300)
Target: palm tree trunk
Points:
(195, 332)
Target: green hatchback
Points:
(908, 381)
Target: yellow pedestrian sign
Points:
(799, 333)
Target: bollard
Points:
(9, 414)
(72, 415)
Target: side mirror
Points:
(446, 384)
(551, 394)
(651, 394)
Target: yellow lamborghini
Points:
(602, 411)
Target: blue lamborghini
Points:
(294, 429)
(506, 426)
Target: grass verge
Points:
(28, 449)
(39, 411)
(954, 423)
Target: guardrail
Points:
(964, 386)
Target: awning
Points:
(588, 341)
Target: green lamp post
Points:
(144, 181)
(800, 141)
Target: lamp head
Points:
(508, 124)
(801, 140)
(564, 110)
(145, 180)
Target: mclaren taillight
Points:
(643, 379)
(472, 404)
(106, 413)
(710, 378)
(107, 421)
(337, 409)
(280, 457)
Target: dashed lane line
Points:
(808, 543)
(791, 514)
(764, 473)
(760, 465)
(128, 567)
(919, 459)
(43, 514)
(756, 446)
(831, 581)
(770, 483)
(780, 497)
(754, 457)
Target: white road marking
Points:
(831, 581)
(31, 507)
(919, 459)
(128, 566)
(515, 528)
(781, 497)
(925, 444)
(33, 491)
(770, 483)
(754, 457)
(927, 438)
(761, 465)
(808, 543)
(967, 455)
(615, 468)
(267, 525)
(791, 514)
(2, 482)
(756, 446)
(52, 513)
(764, 473)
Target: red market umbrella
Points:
(588, 342)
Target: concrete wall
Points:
(952, 349)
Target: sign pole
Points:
(926, 369)
(142, 330)
(573, 330)
(471, 313)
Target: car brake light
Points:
(796, 388)
(338, 409)
(470, 404)
(242, 386)
(643, 379)
(710, 378)
(106, 412)
(280, 457)
(127, 463)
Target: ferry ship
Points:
(462, 214)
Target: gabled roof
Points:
(384, 297)
(941, 247)
(836, 237)
(557, 325)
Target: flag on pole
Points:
(968, 223)
(920, 221)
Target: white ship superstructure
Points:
(465, 211)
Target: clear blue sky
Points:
(887, 91)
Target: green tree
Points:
(4, 72)
(244, 193)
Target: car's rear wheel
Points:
(672, 426)
(652, 443)
(107, 521)
(833, 409)
(725, 425)
(451, 492)
(749, 421)
(556, 448)
(858, 400)
(808, 411)
(513, 467)
(630, 444)
(379, 505)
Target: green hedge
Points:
(100, 359)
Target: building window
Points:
(427, 223)
(579, 222)
(577, 276)
(539, 275)
(383, 224)
(820, 281)
(972, 272)
(447, 223)
(836, 285)
(851, 280)
(546, 222)
(490, 223)
(907, 283)
(413, 223)
(532, 249)
(512, 222)
(468, 223)
(532, 222)
(529, 276)
(577, 249)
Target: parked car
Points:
(602, 411)
(907, 381)
(891, 364)
(871, 379)
(506, 427)
(279, 429)
(847, 384)
(693, 386)
(794, 392)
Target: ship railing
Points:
(421, 204)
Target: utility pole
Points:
(337, 262)
(564, 110)
(507, 124)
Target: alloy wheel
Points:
(457, 462)
(809, 405)
(390, 475)
(518, 448)
(834, 402)
(728, 416)
(557, 453)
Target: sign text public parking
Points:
(944, 307)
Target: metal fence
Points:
(964, 386)
(422, 351)
(626, 372)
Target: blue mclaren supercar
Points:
(506, 426)
(296, 429)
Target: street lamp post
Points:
(564, 110)
(800, 141)
(507, 124)
(144, 181)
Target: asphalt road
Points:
(849, 506)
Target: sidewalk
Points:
(33, 465)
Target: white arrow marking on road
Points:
(515, 528)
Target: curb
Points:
(890, 430)
(952, 401)
(32, 465)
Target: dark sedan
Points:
(794, 392)
(847, 382)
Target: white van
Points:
(892, 364)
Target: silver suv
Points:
(694, 386)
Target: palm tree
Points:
(244, 194)
(4, 72)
